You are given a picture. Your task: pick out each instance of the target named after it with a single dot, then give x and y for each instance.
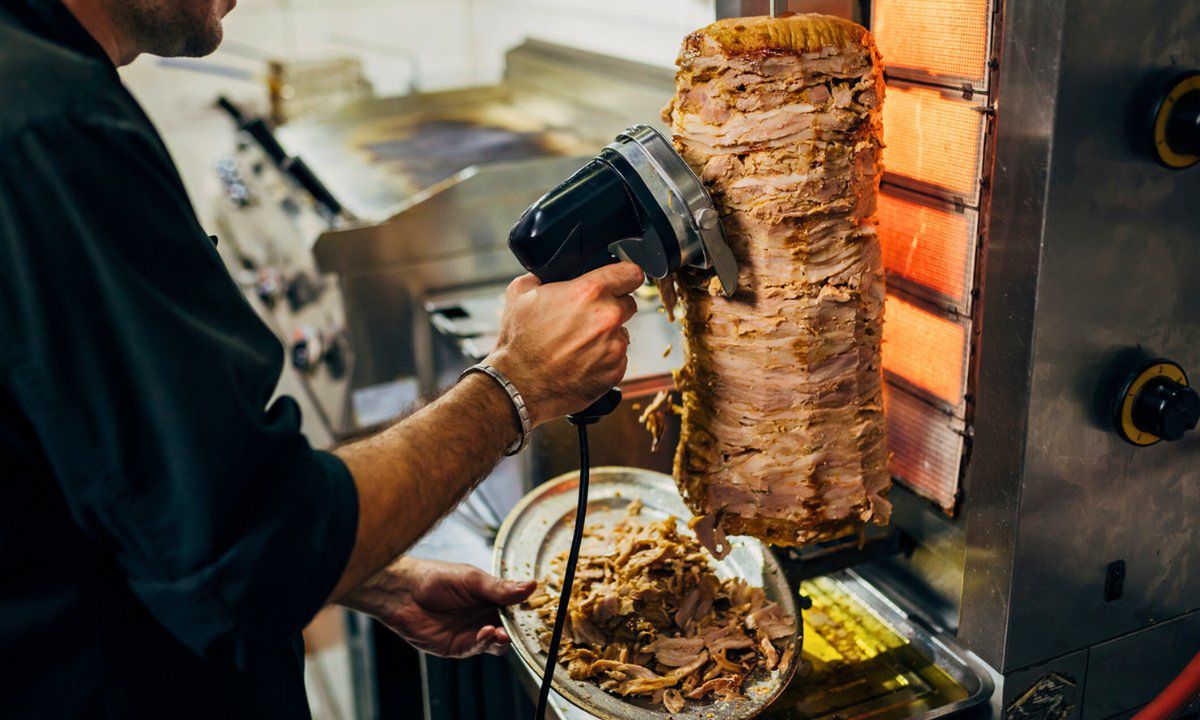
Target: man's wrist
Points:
(498, 402)
(515, 372)
(391, 584)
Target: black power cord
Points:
(589, 415)
(560, 617)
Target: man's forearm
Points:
(411, 474)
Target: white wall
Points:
(454, 43)
(644, 30)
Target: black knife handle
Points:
(604, 406)
(567, 232)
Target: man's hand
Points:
(445, 609)
(563, 344)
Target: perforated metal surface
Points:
(942, 41)
(926, 446)
(925, 350)
(928, 246)
(934, 141)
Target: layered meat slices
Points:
(782, 410)
(648, 616)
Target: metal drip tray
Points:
(864, 657)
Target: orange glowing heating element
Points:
(933, 139)
(924, 445)
(942, 39)
(924, 349)
(927, 245)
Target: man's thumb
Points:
(505, 592)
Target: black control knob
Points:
(1175, 122)
(1183, 124)
(302, 290)
(311, 348)
(1155, 404)
(308, 349)
(1166, 408)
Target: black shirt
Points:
(164, 533)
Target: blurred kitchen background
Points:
(403, 46)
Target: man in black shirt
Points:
(165, 533)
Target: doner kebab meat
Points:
(649, 617)
(783, 434)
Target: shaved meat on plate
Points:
(649, 617)
(782, 427)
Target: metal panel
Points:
(453, 238)
(1028, 90)
(1051, 690)
(1119, 263)
(1129, 671)
(593, 96)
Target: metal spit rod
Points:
(778, 7)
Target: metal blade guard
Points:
(638, 201)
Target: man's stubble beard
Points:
(173, 28)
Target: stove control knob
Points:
(308, 349)
(1176, 122)
(1156, 404)
(312, 348)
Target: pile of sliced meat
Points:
(783, 435)
(648, 617)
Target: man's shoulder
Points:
(41, 81)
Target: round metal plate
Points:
(539, 528)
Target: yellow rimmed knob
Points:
(1156, 403)
(1176, 122)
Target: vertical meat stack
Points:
(782, 407)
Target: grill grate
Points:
(925, 351)
(926, 446)
(939, 41)
(928, 247)
(933, 141)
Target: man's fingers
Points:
(499, 642)
(491, 640)
(503, 592)
(628, 308)
(484, 635)
(522, 285)
(619, 278)
(493, 635)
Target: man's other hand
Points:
(564, 344)
(445, 609)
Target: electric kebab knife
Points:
(637, 201)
